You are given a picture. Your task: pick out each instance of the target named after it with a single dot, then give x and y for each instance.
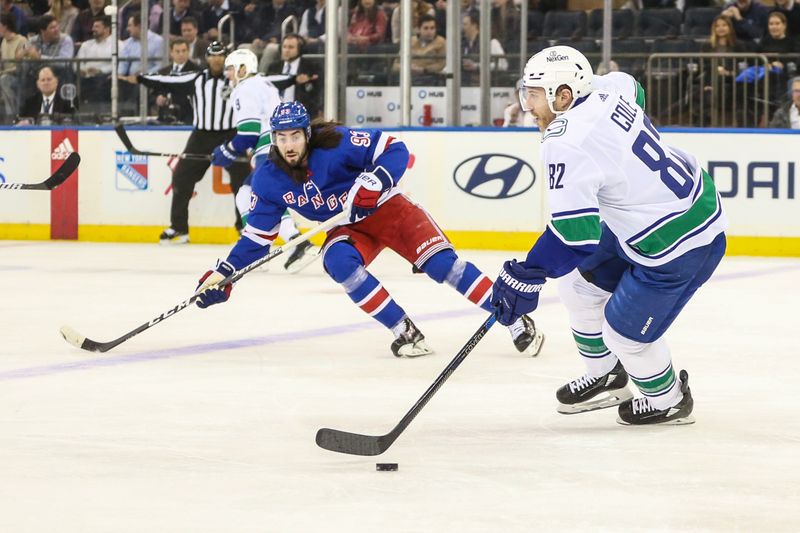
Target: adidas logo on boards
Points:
(63, 150)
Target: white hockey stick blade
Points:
(72, 336)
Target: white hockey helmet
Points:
(238, 59)
(556, 66)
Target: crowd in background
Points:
(38, 35)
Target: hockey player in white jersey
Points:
(636, 228)
(254, 99)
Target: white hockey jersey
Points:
(605, 161)
(254, 99)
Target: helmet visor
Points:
(525, 94)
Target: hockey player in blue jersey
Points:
(641, 221)
(254, 99)
(323, 169)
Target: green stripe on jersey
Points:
(263, 141)
(640, 97)
(250, 126)
(665, 236)
(578, 229)
(657, 384)
(590, 345)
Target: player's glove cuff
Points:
(387, 182)
(516, 291)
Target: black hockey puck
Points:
(386, 467)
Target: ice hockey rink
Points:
(206, 422)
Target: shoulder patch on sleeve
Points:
(556, 128)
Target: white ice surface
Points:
(206, 422)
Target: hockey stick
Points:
(123, 136)
(356, 444)
(60, 176)
(80, 341)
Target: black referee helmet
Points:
(216, 48)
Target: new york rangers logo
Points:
(131, 172)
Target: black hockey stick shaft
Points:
(356, 444)
(85, 343)
(59, 176)
(123, 136)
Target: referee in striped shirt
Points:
(213, 125)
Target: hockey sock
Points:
(368, 293)
(649, 367)
(585, 303)
(463, 276)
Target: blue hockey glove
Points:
(362, 200)
(209, 293)
(516, 291)
(223, 156)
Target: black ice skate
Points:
(411, 342)
(170, 236)
(527, 339)
(303, 255)
(581, 395)
(639, 412)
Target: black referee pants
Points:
(190, 171)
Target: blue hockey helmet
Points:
(289, 116)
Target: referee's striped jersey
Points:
(211, 108)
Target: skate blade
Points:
(535, 346)
(683, 421)
(611, 399)
(414, 350)
(309, 257)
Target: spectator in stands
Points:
(790, 8)
(38, 7)
(776, 41)
(312, 24)
(46, 102)
(428, 52)
(135, 6)
(131, 49)
(788, 116)
(367, 25)
(723, 37)
(214, 11)
(470, 50)
(505, 22)
(65, 13)
(197, 45)
(96, 75)
(175, 101)
(441, 17)
(7, 7)
(50, 43)
(267, 33)
(307, 88)
(419, 9)
(83, 29)
(180, 10)
(11, 48)
(749, 18)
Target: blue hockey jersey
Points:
(331, 174)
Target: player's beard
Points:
(297, 171)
